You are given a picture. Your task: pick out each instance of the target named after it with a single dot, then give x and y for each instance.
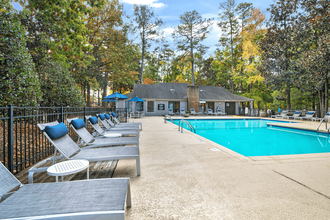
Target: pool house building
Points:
(160, 98)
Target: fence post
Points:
(62, 114)
(11, 139)
(126, 114)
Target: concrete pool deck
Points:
(185, 176)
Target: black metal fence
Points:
(22, 144)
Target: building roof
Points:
(178, 91)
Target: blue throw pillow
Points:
(78, 123)
(102, 116)
(113, 114)
(310, 113)
(107, 116)
(297, 112)
(93, 120)
(56, 131)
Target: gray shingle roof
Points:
(178, 91)
(219, 93)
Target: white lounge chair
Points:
(325, 118)
(192, 111)
(127, 123)
(284, 113)
(126, 126)
(93, 121)
(209, 112)
(296, 115)
(170, 112)
(182, 111)
(84, 199)
(309, 115)
(71, 151)
(108, 127)
(219, 112)
(86, 138)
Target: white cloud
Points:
(168, 31)
(151, 3)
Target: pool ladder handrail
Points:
(188, 124)
(318, 128)
(168, 117)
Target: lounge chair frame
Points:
(193, 112)
(71, 151)
(85, 138)
(101, 132)
(128, 123)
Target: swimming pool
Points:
(252, 137)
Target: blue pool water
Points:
(253, 137)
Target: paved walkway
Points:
(184, 176)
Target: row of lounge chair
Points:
(84, 199)
(297, 115)
(193, 112)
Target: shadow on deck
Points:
(97, 170)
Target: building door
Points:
(202, 108)
(175, 106)
(230, 108)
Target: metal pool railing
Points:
(192, 129)
(318, 128)
(168, 117)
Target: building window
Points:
(139, 106)
(150, 106)
(210, 105)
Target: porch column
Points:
(252, 108)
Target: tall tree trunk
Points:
(313, 101)
(321, 101)
(98, 98)
(85, 92)
(88, 95)
(326, 95)
(104, 104)
(142, 64)
(288, 97)
(82, 90)
(232, 61)
(192, 62)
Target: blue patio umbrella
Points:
(114, 97)
(136, 99)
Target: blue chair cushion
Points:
(102, 116)
(107, 116)
(310, 113)
(93, 120)
(113, 114)
(297, 112)
(78, 123)
(328, 113)
(56, 131)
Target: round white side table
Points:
(67, 168)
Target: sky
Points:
(170, 10)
